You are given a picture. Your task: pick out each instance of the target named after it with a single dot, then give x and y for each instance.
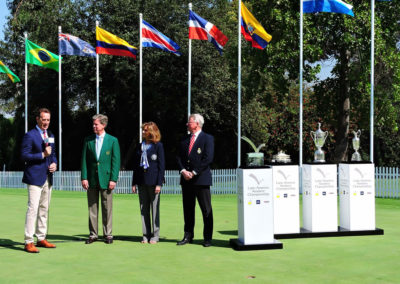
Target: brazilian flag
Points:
(4, 69)
(34, 54)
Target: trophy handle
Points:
(326, 135)
(359, 133)
(312, 133)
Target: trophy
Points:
(319, 138)
(356, 146)
(281, 157)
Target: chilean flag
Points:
(204, 30)
(153, 38)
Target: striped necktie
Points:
(46, 141)
(192, 139)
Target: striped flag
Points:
(330, 6)
(107, 43)
(202, 29)
(151, 37)
(4, 69)
(252, 30)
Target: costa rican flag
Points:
(202, 29)
(151, 37)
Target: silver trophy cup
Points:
(319, 138)
(356, 146)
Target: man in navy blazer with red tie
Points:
(38, 153)
(196, 154)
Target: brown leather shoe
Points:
(31, 248)
(45, 244)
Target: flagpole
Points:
(97, 77)
(239, 83)
(371, 149)
(140, 76)
(301, 99)
(26, 87)
(189, 68)
(59, 110)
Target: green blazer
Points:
(105, 169)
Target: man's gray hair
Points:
(102, 118)
(198, 118)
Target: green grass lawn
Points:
(362, 259)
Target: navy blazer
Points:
(154, 174)
(36, 167)
(199, 160)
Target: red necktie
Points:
(45, 138)
(191, 143)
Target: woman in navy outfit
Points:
(148, 176)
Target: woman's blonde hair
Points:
(154, 132)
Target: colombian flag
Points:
(107, 43)
(252, 30)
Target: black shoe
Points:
(207, 243)
(108, 241)
(187, 239)
(90, 240)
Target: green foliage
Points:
(270, 86)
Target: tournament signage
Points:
(286, 199)
(255, 208)
(320, 197)
(357, 196)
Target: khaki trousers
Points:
(37, 212)
(106, 211)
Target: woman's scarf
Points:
(143, 160)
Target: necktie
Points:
(191, 143)
(46, 141)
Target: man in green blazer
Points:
(99, 175)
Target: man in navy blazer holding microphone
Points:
(196, 154)
(38, 153)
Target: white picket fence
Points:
(387, 181)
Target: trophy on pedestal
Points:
(256, 158)
(356, 146)
(319, 138)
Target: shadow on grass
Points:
(215, 243)
(10, 244)
(232, 232)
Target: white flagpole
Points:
(140, 76)
(59, 110)
(189, 68)
(239, 135)
(371, 149)
(97, 77)
(301, 99)
(26, 86)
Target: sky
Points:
(3, 14)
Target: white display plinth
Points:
(357, 196)
(320, 197)
(255, 208)
(286, 199)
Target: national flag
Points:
(72, 45)
(252, 30)
(107, 43)
(153, 38)
(34, 54)
(202, 29)
(331, 6)
(4, 69)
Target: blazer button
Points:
(98, 163)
